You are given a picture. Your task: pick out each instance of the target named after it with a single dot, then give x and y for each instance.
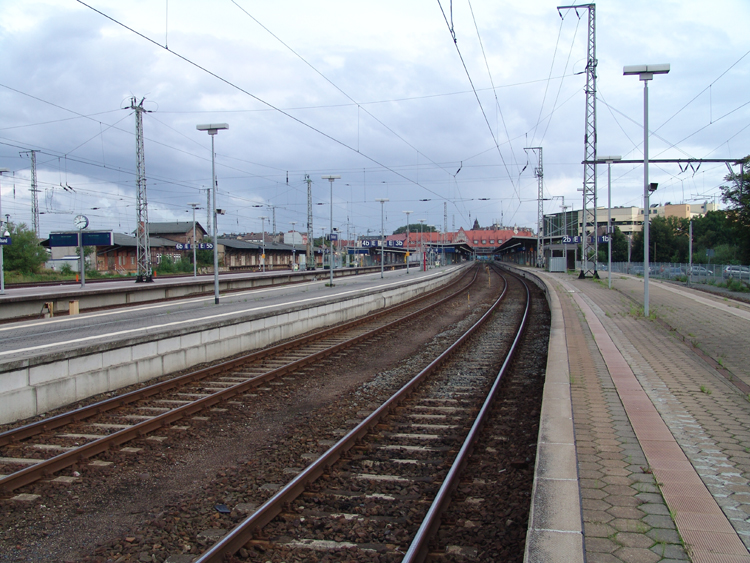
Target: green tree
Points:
(25, 254)
(619, 248)
(415, 228)
(736, 194)
(204, 258)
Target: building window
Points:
(492, 241)
(476, 242)
(484, 242)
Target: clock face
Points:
(81, 222)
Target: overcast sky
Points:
(374, 91)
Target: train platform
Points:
(644, 452)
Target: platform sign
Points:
(567, 239)
(205, 246)
(4, 241)
(90, 238)
(63, 239)
(181, 246)
(333, 236)
(97, 238)
(604, 239)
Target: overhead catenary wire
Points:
(257, 98)
(359, 106)
(476, 95)
(492, 82)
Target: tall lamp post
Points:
(609, 160)
(263, 241)
(645, 73)
(421, 243)
(407, 240)
(195, 263)
(213, 129)
(382, 201)
(330, 179)
(294, 245)
(4, 233)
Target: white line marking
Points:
(140, 330)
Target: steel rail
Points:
(49, 466)
(47, 424)
(243, 532)
(419, 548)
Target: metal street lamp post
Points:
(263, 242)
(382, 201)
(407, 240)
(609, 160)
(421, 243)
(645, 73)
(195, 263)
(330, 179)
(213, 129)
(4, 233)
(294, 244)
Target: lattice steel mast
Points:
(310, 258)
(141, 232)
(589, 141)
(34, 196)
(539, 174)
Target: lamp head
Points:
(652, 186)
(645, 72)
(212, 128)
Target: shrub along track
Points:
(150, 507)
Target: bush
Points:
(24, 255)
(66, 270)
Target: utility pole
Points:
(208, 210)
(445, 229)
(539, 174)
(34, 197)
(589, 140)
(141, 231)
(310, 258)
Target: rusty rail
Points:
(243, 532)
(419, 548)
(47, 467)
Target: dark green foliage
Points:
(24, 255)
(169, 266)
(737, 196)
(416, 228)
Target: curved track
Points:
(36, 451)
(395, 470)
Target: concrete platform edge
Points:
(555, 530)
(30, 390)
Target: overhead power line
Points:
(476, 95)
(253, 96)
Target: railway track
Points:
(378, 493)
(42, 449)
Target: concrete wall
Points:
(35, 386)
(130, 293)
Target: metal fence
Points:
(698, 273)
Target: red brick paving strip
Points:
(701, 523)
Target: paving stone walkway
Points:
(700, 404)
(625, 517)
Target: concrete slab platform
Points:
(661, 423)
